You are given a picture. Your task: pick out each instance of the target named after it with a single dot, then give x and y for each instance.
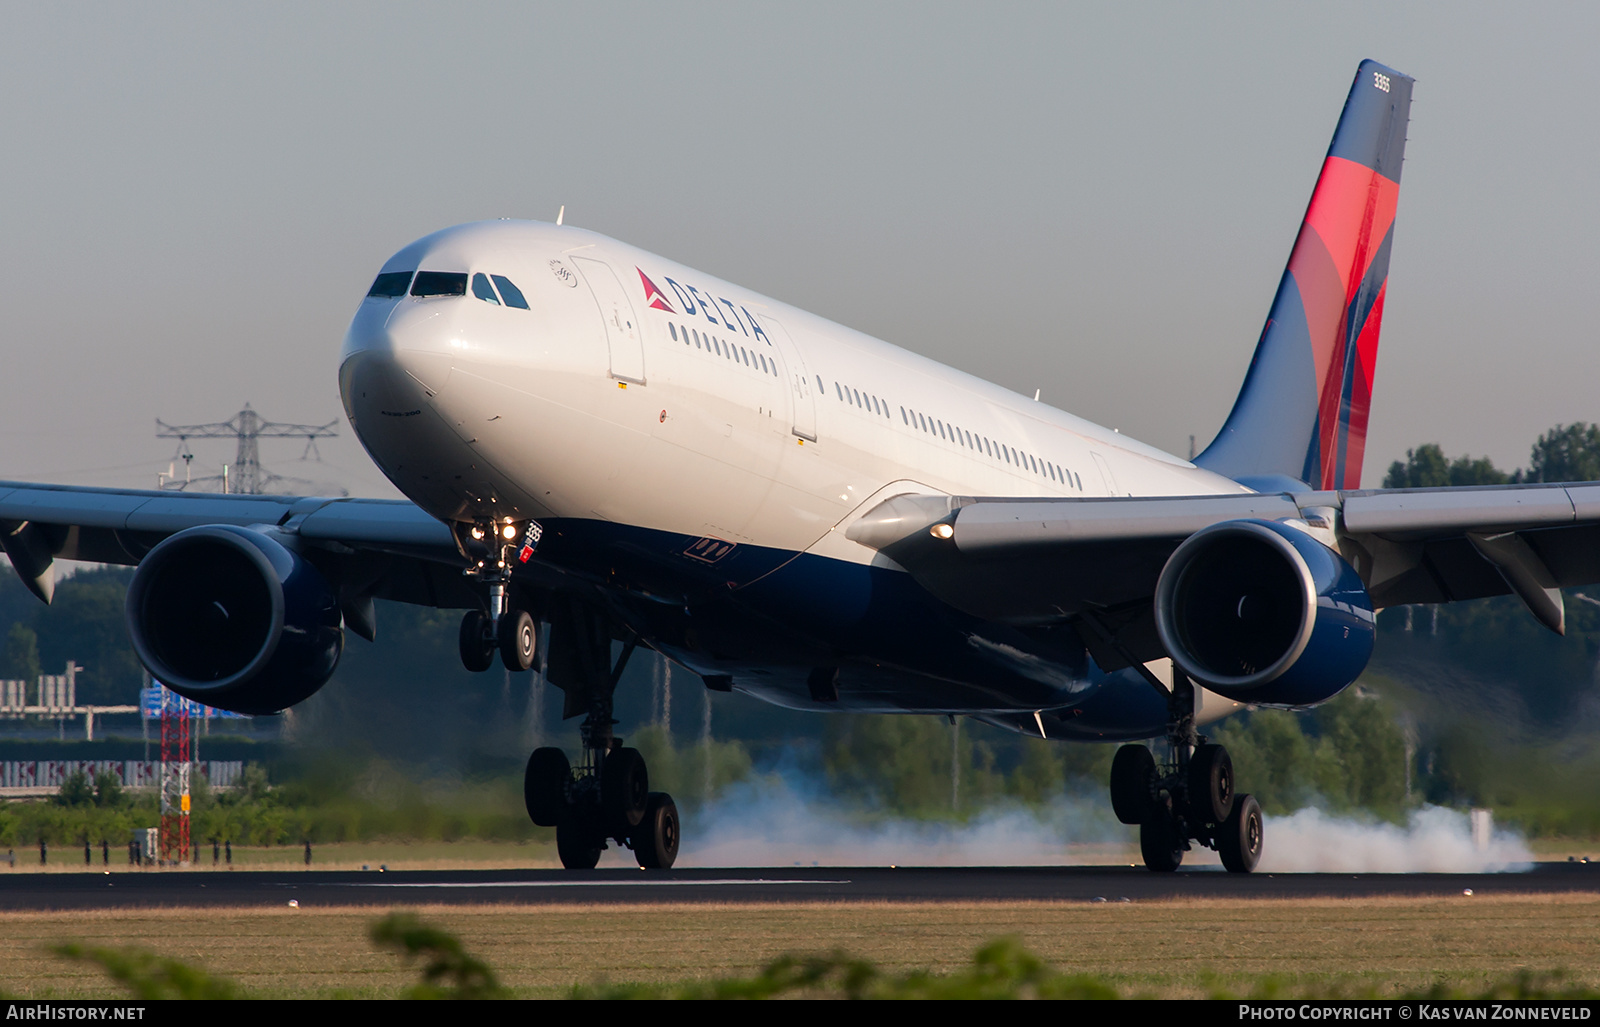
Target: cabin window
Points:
(390, 284)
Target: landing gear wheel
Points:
(1159, 841)
(477, 650)
(1210, 784)
(1131, 771)
(577, 843)
(655, 840)
(1239, 838)
(519, 640)
(544, 786)
(624, 791)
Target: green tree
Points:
(1566, 453)
(76, 790)
(1348, 753)
(86, 623)
(107, 790)
(1428, 467)
(20, 656)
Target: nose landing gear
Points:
(1188, 798)
(503, 627)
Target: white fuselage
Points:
(700, 408)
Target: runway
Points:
(181, 888)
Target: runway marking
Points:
(570, 884)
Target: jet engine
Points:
(232, 618)
(1261, 612)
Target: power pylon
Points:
(246, 475)
(177, 761)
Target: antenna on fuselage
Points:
(561, 213)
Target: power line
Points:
(245, 475)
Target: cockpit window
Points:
(440, 283)
(511, 294)
(483, 290)
(390, 284)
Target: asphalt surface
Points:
(20, 890)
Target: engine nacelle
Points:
(1263, 613)
(231, 618)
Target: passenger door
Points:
(804, 416)
(623, 337)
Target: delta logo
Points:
(652, 295)
(693, 303)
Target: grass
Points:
(1167, 949)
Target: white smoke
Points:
(1433, 840)
(785, 819)
(778, 822)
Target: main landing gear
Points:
(607, 796)
(1189, 798)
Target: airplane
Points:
(611, 450)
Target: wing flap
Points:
(1432, 513)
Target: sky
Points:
(1091, 200)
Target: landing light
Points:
(477, 533)
(941, 531)
(508, 533)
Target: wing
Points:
(1050, 561)
(372, 548)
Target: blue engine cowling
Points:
(232, 618)
(1263, 613)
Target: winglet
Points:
(1302, 412)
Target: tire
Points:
(624, 791)
(1159, 843)
(519, 641)
(1240, 838)
(544, 786)
(1131, 771)
(477, 653)
(1210, 784)
(655, 840)
(577, 843)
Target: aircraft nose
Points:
(397, 362)
(384, 347)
